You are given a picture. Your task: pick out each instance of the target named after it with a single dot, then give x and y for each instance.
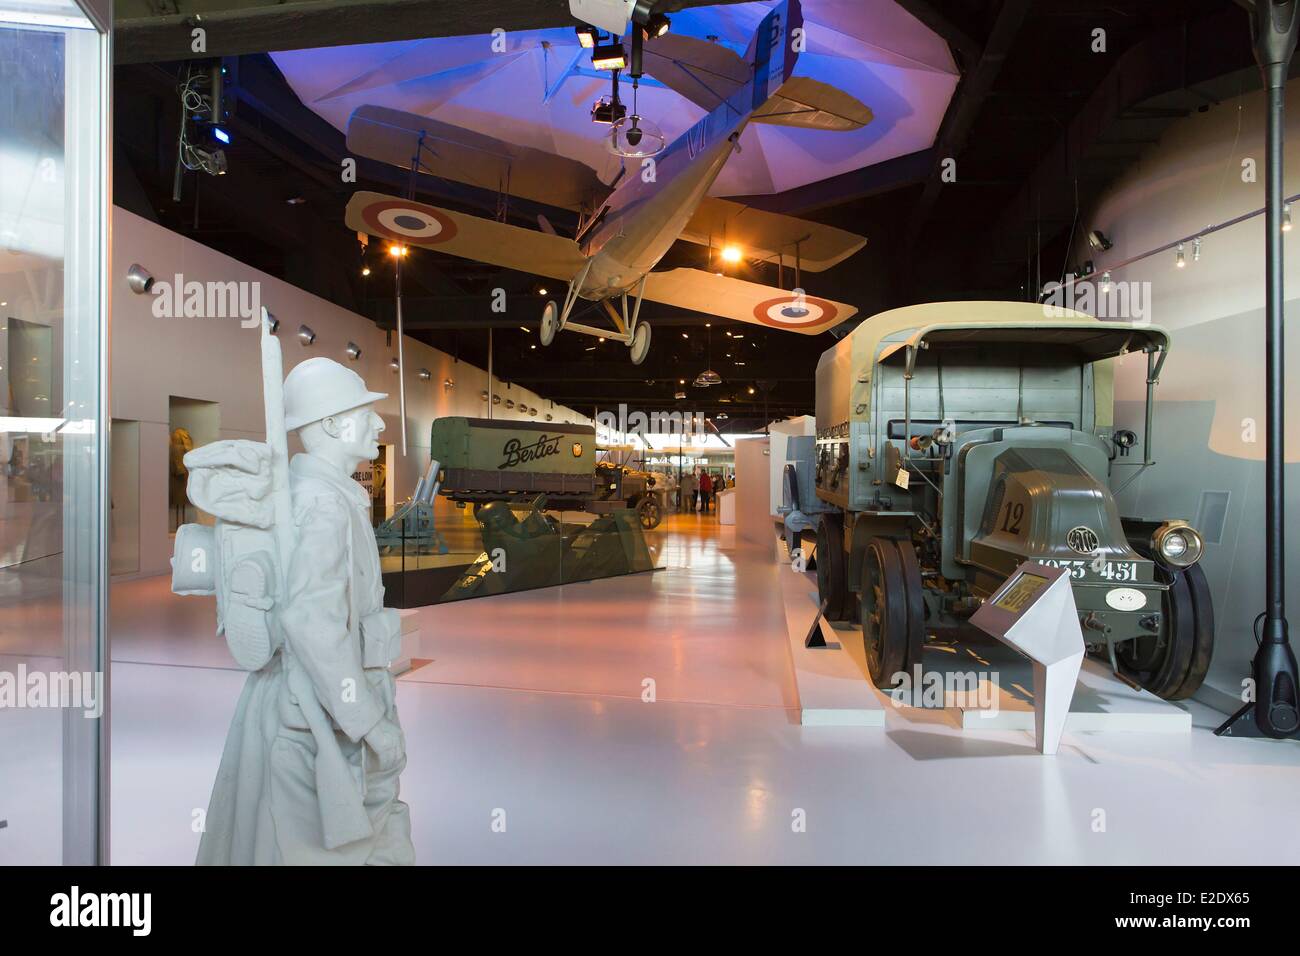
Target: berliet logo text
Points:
(75, 908)
(517, 453)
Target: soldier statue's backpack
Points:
(235, 558)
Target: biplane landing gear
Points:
(550, 323)
(635, 335)
(639, 347)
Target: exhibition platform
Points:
(534, 704)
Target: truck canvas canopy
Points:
(1091, 341)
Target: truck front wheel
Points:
(886, 617)
(1173, 664)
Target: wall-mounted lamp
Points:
(424, 374)
(305, 335)
(353, 350)
(395, 365)
(139, 279)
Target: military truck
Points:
(956, 440)
(483, 460)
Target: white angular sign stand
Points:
(1033, 612)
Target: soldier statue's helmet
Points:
(496, 515)
(321, 387)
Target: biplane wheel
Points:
(831, 581)
(550, 323)
(885, 617)
(640, 344)
(1173, 665)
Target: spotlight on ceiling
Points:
(306, 335)
(607, 110)
(424, 374)
(397, 251)
(679, 396)
(731, 254)
(353, 350)
(657, 25)
(609, 56)
(448, 383)
(587, 37)
(1097, 239)
(138, 279)
(394, 364)
(272, 323)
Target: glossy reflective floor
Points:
(531, 707)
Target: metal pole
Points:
(489, 364)
(401, 360)
(1275, 711)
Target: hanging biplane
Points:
(628, 225)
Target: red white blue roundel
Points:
(407, 221)
(796, 312)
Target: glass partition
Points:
(53, 182)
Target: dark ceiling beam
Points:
(965, 107)
(143, 34)
(847, 187)
(1165, 76)
(941, 23)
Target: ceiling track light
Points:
(1196, 249)
(609, 56)
(1286, 217)
(1181, 260)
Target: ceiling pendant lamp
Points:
(708, 376)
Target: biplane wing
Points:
(745, 301)
(475, 159)
(470, 237)
(767, 235)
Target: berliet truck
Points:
(958, 439)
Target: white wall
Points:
(216, 360)
(779, 433)
(753, 477)
(1210, 402)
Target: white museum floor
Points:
(531, 704)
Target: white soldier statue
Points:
(310, 770)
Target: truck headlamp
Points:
(1178, 544)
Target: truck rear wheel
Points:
(886, 620)
(831, 583)
(1175, 667)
